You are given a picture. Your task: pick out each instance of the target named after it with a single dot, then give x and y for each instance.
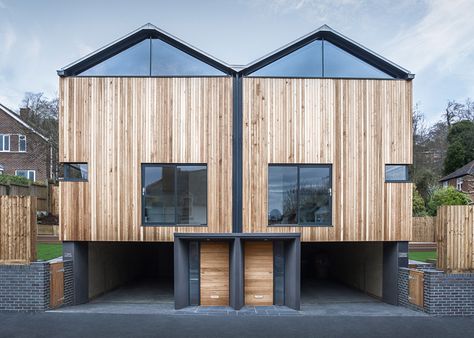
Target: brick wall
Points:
(37, 152)
(444, 294)
(68, 283)
(24, 287)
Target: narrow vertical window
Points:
(4, 142)
(21, 143)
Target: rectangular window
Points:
(397, 173)
(4, 142)
(75, 172)
(445, 184)
(21, 143)
(299, 195)
(26, 173)
(459, 182)
(174, 194)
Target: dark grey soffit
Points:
(223, 236)
(323, 32)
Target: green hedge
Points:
(11, 179)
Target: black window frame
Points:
(407, 173)
(66, 178)
(298, 167)
(175, 223)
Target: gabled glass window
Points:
(174, 194)
(167, 60)
(152, 57)
(320, 59)
(299, 195)
(304, 62)
(339, 63)
(133, 61)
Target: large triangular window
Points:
(304, 62)
(320, 58)
(152, 57)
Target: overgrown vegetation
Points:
(419, 208)
(11, 179)
(446, 196)
(440, 149)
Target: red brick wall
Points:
(467, 185)
(37, 152)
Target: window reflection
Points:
(339, 63)
(304, 62)
(168, 61)
(282, 194)
(133, 61)
(314, 196)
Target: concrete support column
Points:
(181, 273)
(78, 252)
(292, 273)
(236, 274)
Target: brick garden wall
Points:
(24, 287)
(444, 294)
(68, 283)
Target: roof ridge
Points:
(15, 116)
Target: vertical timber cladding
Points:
(214, 276)
(357, 125)
(115, 125)
(258, 272)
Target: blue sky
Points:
(433, 39)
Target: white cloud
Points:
(442, 39)
(7, 39)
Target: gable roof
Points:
(327, 33)
(15, 116)
(146, 31)
(468, 169)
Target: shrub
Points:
(446, 196)
(419, 208)
(11, 179)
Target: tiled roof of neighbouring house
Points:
(468, 169)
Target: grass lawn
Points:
(45, 251)
(422, 256)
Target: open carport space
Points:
(133, 273)
(343, 278)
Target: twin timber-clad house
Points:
(266, 177)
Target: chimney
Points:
(24, 112)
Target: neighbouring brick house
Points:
(23, 150)
(462, 179)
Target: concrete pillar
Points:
(236, 274)
(181, 273)
(292, 273)
(78, 252)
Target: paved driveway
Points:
(109, 325)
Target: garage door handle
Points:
(214, 296)
(258, 296)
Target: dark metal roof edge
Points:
(325, 31)
(134, 37)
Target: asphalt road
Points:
(109, 325)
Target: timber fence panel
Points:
(17, 229)
(455, 238)
(424, 229)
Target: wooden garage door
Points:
(258, 273)
(214, 273)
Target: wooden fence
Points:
(424, 229)
(46, 195)
(455, 238)
(17, 229)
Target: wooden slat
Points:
(455, 238)
(356, 125)
(416, 287)
(17, 229)
(258, 273)
(214, 276)
(424, 229)
(115, 125)
(56, 284)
